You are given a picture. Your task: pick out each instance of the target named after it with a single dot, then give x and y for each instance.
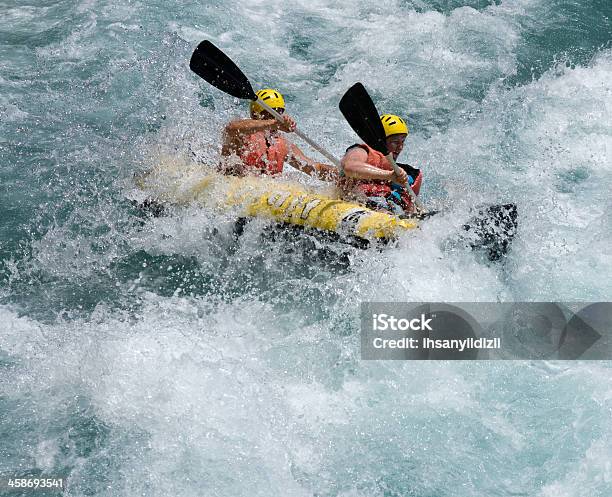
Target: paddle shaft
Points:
(407, 187)
(310, 142)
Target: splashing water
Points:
(163, 357)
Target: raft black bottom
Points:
(493, 229)
(315, 246)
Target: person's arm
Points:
(355, 166)
(250, 126)
(300, 161)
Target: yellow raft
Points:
(179, 183)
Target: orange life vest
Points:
(377, 188)
(264, 152)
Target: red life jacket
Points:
(377, 188)
(266, 155)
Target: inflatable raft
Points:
(176, 183)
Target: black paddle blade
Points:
(212, 65)
(360, 112)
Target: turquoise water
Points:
(162, 358)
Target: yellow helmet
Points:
(394, 125)
(272, 97)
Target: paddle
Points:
(212, 65)
(360, 112)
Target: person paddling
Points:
(256, 146)
(370, 178)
